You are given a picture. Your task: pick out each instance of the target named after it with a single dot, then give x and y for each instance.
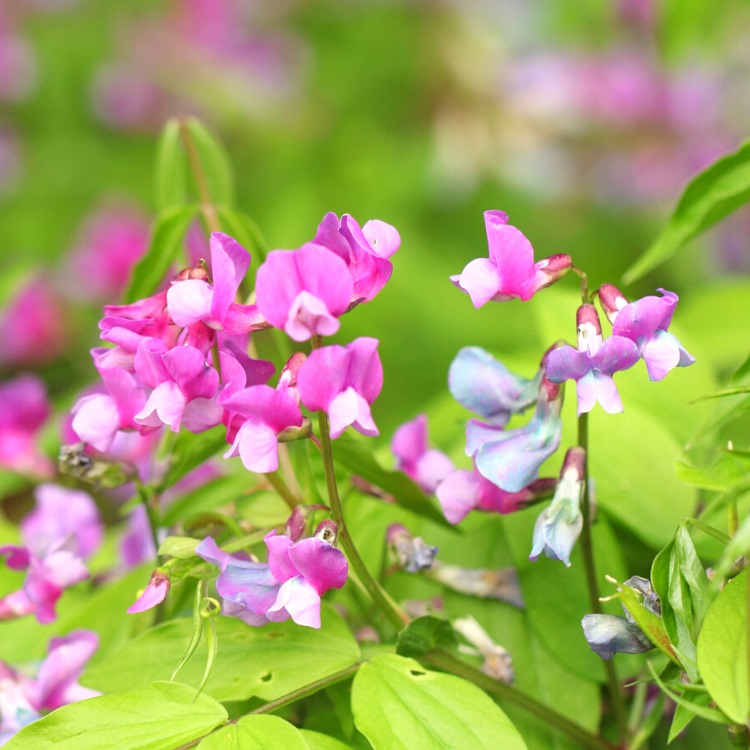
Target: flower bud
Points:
(589, 329)
(327, 531)
(155, 592)
(296, 526)
(549, 270)
(198, 271)
(612, 301)
(290, 434)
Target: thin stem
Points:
(281, 487)
(589, 566)
(389, 608)
(207, 205)
(444, 660)
(149, 500)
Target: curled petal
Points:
(300, 601)
(609, 634)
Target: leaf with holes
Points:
(399, 705)
(264, 662)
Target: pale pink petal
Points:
(349, 408)
(479, 279)
(309, 315)
(257, 446)
(458, 494)
(189, 301)
(300, 600)
(383, 238)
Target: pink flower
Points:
(155, 592)
(510, 271)
(364, 250)
(304, 291)
(343, 381)
(192, 300)
(428, 468)
(24, 413)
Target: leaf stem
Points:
(587, 549)
(275, 480)
(444, 660)
(207, 205)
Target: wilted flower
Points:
(412, 554)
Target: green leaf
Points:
(171, 168)
(162, 716)
(240, 226)
(215, 166)
(710, 714)
(723, 653)
(713, 194)
(190, 451)
(423, 634)
(179, 546)
(357, 456)
(216, 493)
(399, 705)
(319, 741)
(265, 662)
(684, 715)
(724, 473)
(165, 246)
(738, 545)
(257, 732)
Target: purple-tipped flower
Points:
(343, 381)
(364, 250)
(645, 322)
(290, 584)
(304, 291)
(593, 363)
(194, 299)
(509, 272)
(427, 467)
(511, 458)
(559, 526)
(463, 491)
(485, 386)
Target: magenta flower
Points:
(57, 536)
(511, 458)
(155, 592)
(645, 322)
(365, 251)
(593, 363)
(257, 415)
(23, 699)
(184, 387)
(427, 467)
(343, 381)
(304, 291)
(290, 584)
(24, 413)
(463, 491)
(193, 300)
(510, 271)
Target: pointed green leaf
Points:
(171, 168)
(399, 705)
(264, 662)
(190, 451)
(723, 652)
(319, 741)
(423, 634)
(165, 247)
(713, 194)
(215, 166)
(257, 732)
(161, 716)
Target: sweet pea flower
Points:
(184, 387)
(303, 292)
(24, 413)
(194, 299)
(486, 387)
(343, 382)
(559, 526)
(364, 250)
(427, 467)
(290, 584)
(57, 536)
(511, 458)
(23, 699)
(510, 271)
(593, 363)
(155, 592)
(257, 415)
(645, 322)
(463, 491)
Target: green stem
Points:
(444, 660)
(207, 205)
(389, 608)
(275, 480)
(587, 549)
(738, 736)
(149, 500)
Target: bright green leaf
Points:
(423, 634)
(713, 194)
(264, 662)
(190, 451)
(723, 653)
(214, 164)
(399, 705)
(257, 732)
(171, 168)
(164, 248)
(161, 716)
(319, 741)
(216, 493)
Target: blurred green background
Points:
(580, 120)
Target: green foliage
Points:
(398, 704)
(160, 716)
(257, 732)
